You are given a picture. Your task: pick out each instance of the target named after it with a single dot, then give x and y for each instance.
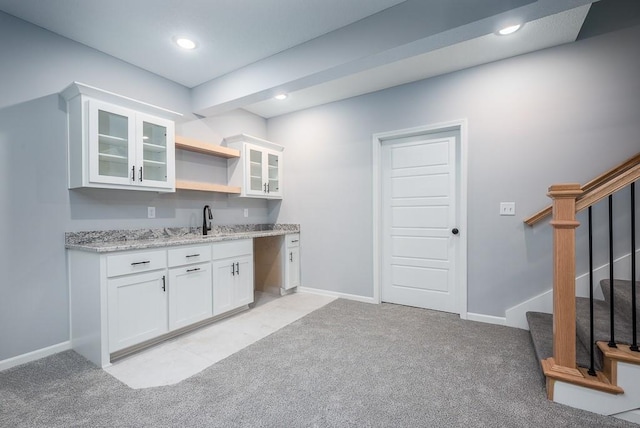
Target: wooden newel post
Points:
(564, 225)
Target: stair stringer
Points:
(602, 402)
(515, 316)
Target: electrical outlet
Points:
(507, 208)
(246, 212)
(151, 212)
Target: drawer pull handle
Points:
(141, 263)
(294, 241)
(193, 270)
(193, 255)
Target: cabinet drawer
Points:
(188, 255)
(139, 261)
(226, 249)
(293, 240)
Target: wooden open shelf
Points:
(206, 187)
(197, 146)
(193, 145)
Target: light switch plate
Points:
(151, 212)
(507, 208)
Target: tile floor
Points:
(177, 359)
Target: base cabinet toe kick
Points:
(125, 301)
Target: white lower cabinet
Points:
(189, 295)
(123, 299)
(292, 263)
(137, 308)
(232, 275)
(233, 284)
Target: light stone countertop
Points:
(123, 240)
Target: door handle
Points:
(237, 268)
(233, 270)
(140, 174)
(164, 283)
(133, 173)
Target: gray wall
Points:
(564, 114)
(37, 208)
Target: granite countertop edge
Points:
(140, 239)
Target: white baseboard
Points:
(517, 316)
(34, 355)
(631, 416)
(543, 302)
(336, 294)
(489, 319)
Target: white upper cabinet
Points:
(118, 146)
(258, 171)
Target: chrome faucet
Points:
(206, 225)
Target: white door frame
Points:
(460, 280)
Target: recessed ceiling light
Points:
(509, 30)
(281, 97)
(185, 43)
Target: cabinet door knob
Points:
(455, 231)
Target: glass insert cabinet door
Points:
(273, 185)
(111, 147)
(256, 183)
(154, 153)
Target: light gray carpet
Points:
(348, 364)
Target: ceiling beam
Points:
(408, 29)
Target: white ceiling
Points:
(316, 50)
(230, 33)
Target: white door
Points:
(243, 281)
(292, 268)
(189, 295)
(223, 281)
(111, 144)
(137, 309)
(418, 222)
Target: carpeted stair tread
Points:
(541, 329)
(601, 328)
(622, 297)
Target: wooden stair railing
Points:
(590, 187)
(568, 200)
(564, 224)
